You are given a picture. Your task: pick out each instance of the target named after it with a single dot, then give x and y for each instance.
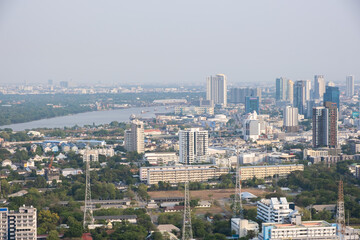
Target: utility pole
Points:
(88, 212)
(340, 214)
(187, 233)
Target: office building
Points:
(18, 224)
(332, 94)
(216, 89)
(291, 118)
(300, 96)
(193, 146)
(350, 91)
(319, 86)
(273, 210)
(290, 92)
(299, 230)
(134, 138)
(179, 174)
(325, 125)
(238, 95)
(241, 227)
(261, 172)
(252, 104)
(281, 89)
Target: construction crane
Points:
(51, 162)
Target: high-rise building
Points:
(291, 117)
(216, 89)
(300, 95)
(319, 85)
(134, 138)
(193, 146)
(252, 104)
(237, 95)
(290, 91)
(350, 86)
(251, 127)
(307, 90)
(64, 84)
(18, 225)
(325, 125)
(281, 89)
(332, 94)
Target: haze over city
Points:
(183, 42)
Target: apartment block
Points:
(179, 174)
(18, 225)
(250, 172)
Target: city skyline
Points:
(144, 43)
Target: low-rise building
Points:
(180, 174)
(71, 171)
(249, 172)
(161, 158)
(298, 230)
(241, 227)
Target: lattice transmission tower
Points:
(237, 205)
(187, 233)
(88, 212)
(340, 213)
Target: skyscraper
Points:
(291, 118)
(350, 86)
(193, 146)
(332, 94)
(325, 127)
(290, 91)
(281, 89)
(237, 95)
(216, 89)
(307, 90)
(134, 138)
(300, 95)
(319, 85)
(252, 104)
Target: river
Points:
(88, 118)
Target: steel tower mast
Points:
(187, 233)
(88, 212)
(340, 213)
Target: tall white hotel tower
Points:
(193, 144)
(216, 89)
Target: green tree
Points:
(47, 221)
(53, 235)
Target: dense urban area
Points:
(222, 161)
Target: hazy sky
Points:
(163, 41)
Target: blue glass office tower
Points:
(332, 94)
(252, 104)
